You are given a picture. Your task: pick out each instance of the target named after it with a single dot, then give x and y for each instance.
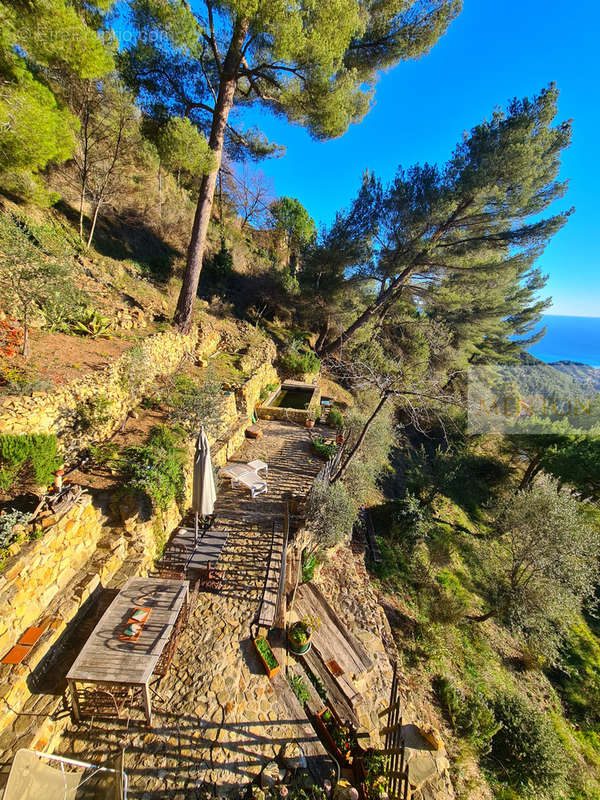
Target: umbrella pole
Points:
(196, 529)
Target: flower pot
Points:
(310, 423)
(296, 648)
(269, 661)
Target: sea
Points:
(569, 339)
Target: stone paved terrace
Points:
(220, 721)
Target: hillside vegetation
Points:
(130, 205)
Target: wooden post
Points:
(147, 703)
(75, 701)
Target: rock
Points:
(292, 756)
(431, 735)
(344, 791)
(270, 775)
(421, 769)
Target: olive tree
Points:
(542, 564)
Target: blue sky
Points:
(493, 52)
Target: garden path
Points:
(220, 721)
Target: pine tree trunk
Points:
(191, 276)
(342, 470)
(530, 473)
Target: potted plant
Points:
(300, 633)
(339, 737)
(266, 655)
(310, 419)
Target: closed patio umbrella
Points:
(203, 491)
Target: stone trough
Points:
(293, 401)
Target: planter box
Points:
(271, 671)
(327, 738)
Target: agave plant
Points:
(93, 324)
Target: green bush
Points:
(299, 688)
(526, 747)
(325, 450)
(8, 522)
(91, 323)
(156, 468)
(308, 567)
(470, 714)
(335, 418)
(331, 512)
(29, 458)
(300, 362)
(105, 454)
(64, 306)
(92, 413)
(196, 401)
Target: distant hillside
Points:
(586, 376)
(537, 378)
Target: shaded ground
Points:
(135, 432)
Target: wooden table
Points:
(105, 660)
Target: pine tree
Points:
(315, 63)
(37, 40)
(468, 234)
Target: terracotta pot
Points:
(310, 423)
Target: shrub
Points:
(526, 746)
(195, 402)
(11, 337)
(104, 454)
(92, 413)
(470, 714)
(8, 522)
(308, 568)
(299, 688)
(335, 418)
(156, 468)
(63, 307)
(325, 450)
(266, 391)
(331, 512)
(317, 683)
(300, 362)
(29, 458)
(91, 323)
(22, 380)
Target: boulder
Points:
(270, 775)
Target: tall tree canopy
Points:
(462, 240)
(37, 41)
(315, 63)
(294, 223)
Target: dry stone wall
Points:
(31, 579)
(59, 411)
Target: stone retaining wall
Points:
(31, 579)
(249, 394)
(119, 386)
(51, 580)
